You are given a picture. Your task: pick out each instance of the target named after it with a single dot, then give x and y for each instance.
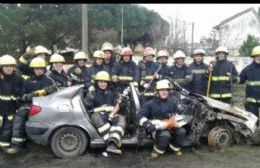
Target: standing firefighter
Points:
(157, 116)
(180, 72)
(251, 75)
(97, 66)
(25, 59)
(224, 73)
(76, 72)
(125, 71)
(162, 58)
(38, 85)
(199, 73)
(102, 104)
(11, 86)
(147, 69)
(56, 70)
(109, 58)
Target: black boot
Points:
(112, 148)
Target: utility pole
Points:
(85, 28)
(122, 26)
(192, 36)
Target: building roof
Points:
(235, 16)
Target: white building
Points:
(232, 31)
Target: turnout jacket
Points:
(199, 78)
(251, 75)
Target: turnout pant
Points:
(110, 131)
(6, 123)
(253, 108)
(19, 133)
(171, 139)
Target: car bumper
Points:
(38, 133)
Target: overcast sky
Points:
(205, 16)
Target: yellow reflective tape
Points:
(174, 148)
(220, 78)
(198, 71)
(41, 92)
(105, 137)
(143, 119)
(7, 98)
(10, 117)
(23, 60)
(4, 144)
(104, 108)
(147, 77)
(225, 95)
(253, 83)
(135, 84)
(25, 77)
(149, 94)
(19, 140)
(115, 135)
(125, 78)
(117, 128)
(104, 128)
(252, 100)
(158, 150)
(1, 121)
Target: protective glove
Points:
(149, 127)
(28, 97)
(77, 71)
(157, 76)
(146, 85)
(171, 122)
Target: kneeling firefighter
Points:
(38, 85)
(103, 106)
(158, 117)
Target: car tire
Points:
(219, 138)
(67, 142)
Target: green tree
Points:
(248, 45)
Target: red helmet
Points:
(149, 51)
(126, 51)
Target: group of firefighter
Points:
(106, 82)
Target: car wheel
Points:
(69, 142)
(219, 138)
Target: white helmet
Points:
(179, 54)
(222, 49)
(199, 52)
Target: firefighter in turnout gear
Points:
(125, 71)
(147, 69)
(157, 116)
(250, 75)
(180, 72)
(77, 71)
(11, 88)
(56, 71)
(97, 66)
(102, 105)
(224, 73)
(25, 59)
(199, 73)
(162, 58)
(109, 58)
(38, 85)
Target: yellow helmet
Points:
(99, 54)
(162, 53)
(57, 58)
(41, 50)
(102, 76)
(107, 46)
(38, 62)
(163, 84)
(80, 55)
(7, 60)
(255, 51)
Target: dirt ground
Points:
(236, 156)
